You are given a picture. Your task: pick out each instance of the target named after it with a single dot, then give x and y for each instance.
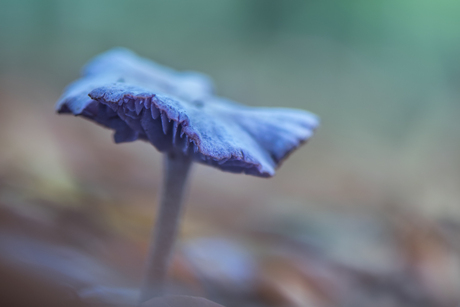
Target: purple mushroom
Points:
(178, 113)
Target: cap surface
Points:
(177, 111)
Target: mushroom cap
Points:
(177, 111)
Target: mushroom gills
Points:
(138, 104)
(165, 122)
(154, 112)
(174, 131)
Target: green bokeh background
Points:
(383, 76)
(376, 190)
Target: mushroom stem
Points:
(176, 170)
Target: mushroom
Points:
(178, 113)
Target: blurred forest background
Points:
(366, 214)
